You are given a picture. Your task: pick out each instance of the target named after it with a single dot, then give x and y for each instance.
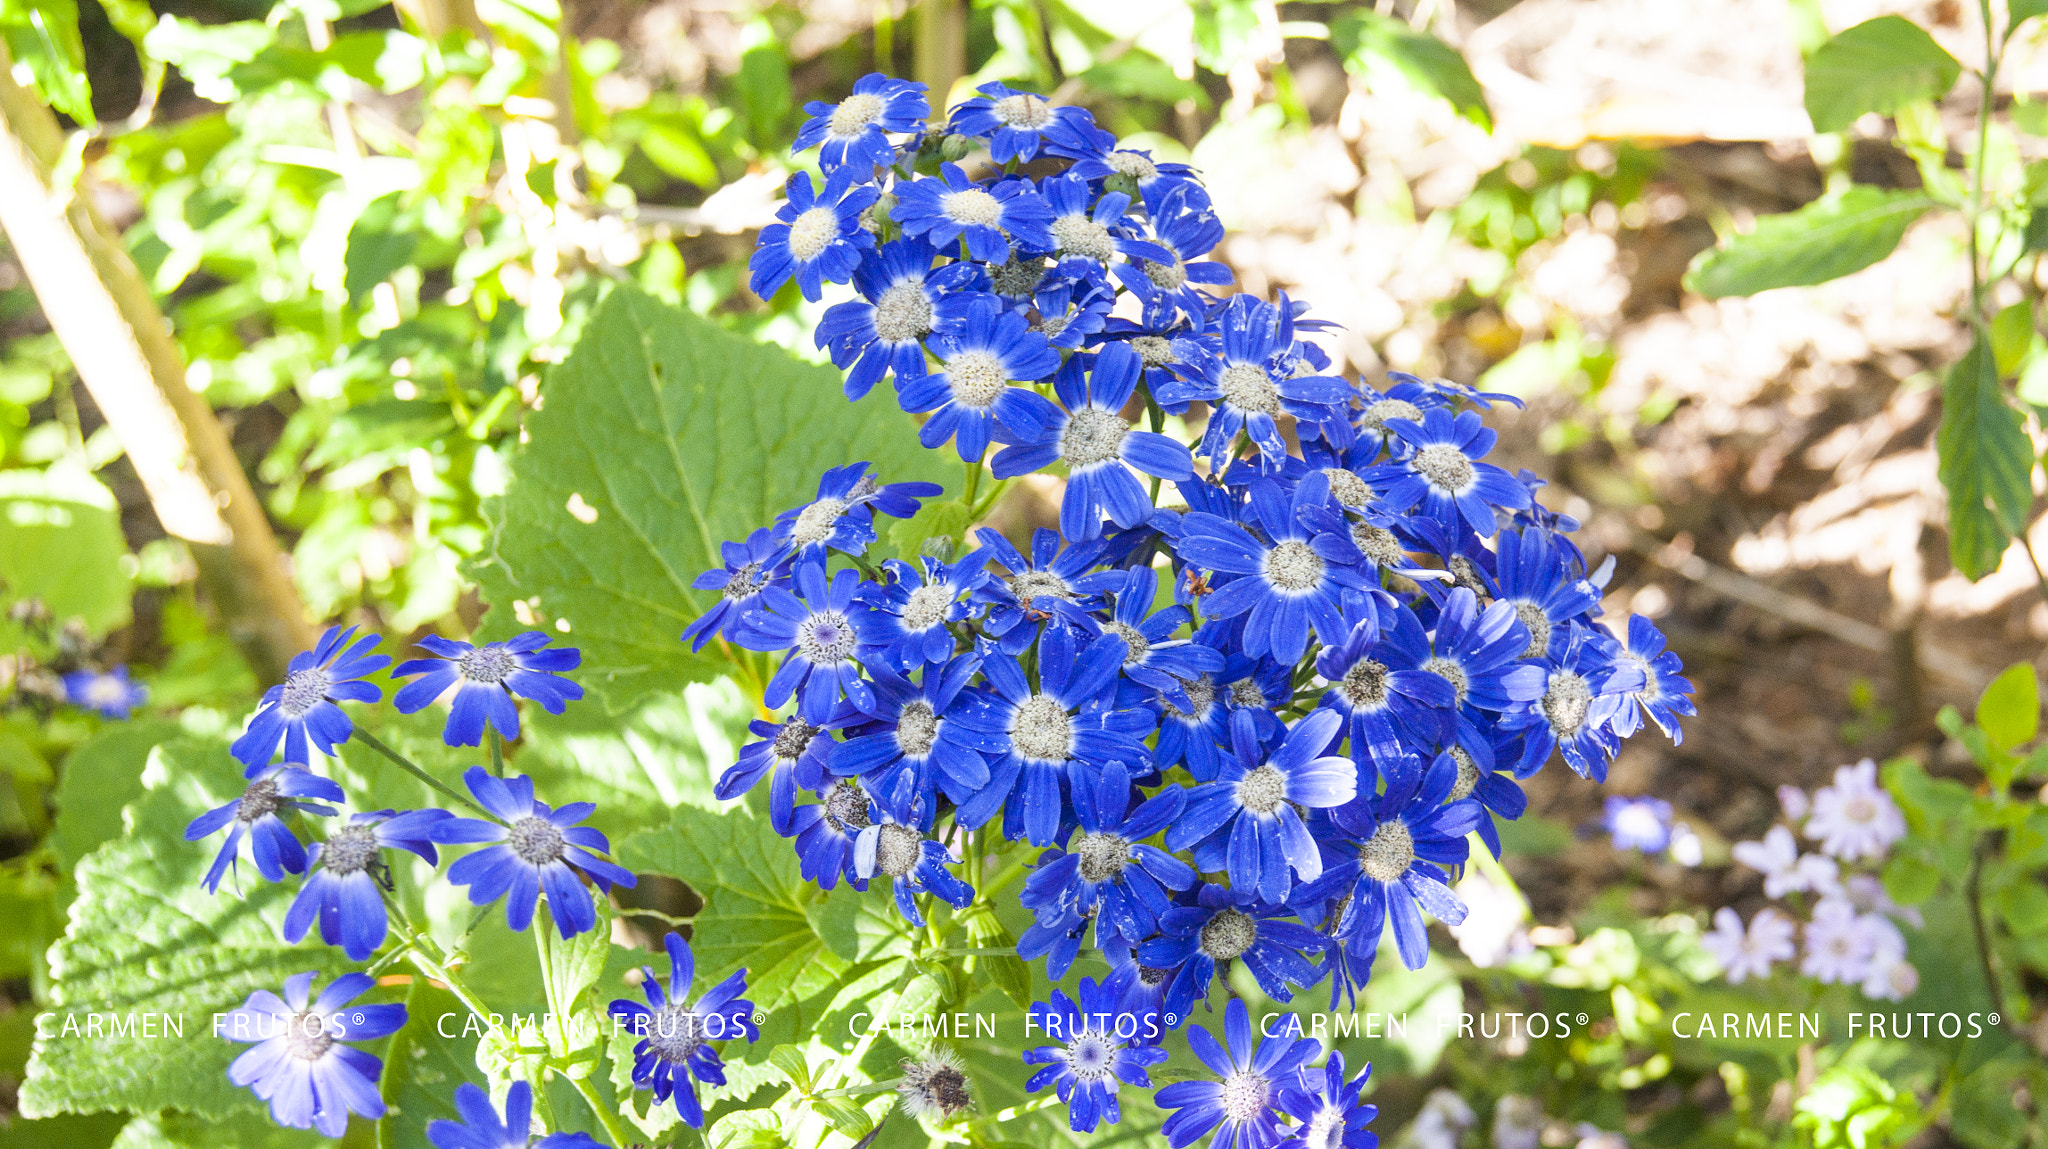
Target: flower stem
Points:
(497, 753)
(605, 1116)
(405, 764)
(1004, 877)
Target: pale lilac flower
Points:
(1890, 978)
(1442, 1123)
(1794, 802)
(1866, 892)
(1686, 848)
(1838, 944)
(1517, 1122)
(1820, 874)
(1749, 953)
(1642, 824)
(1855, 818)
(1776, 858)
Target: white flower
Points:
(1838, 943)
(1686, 848)
(1855, 818)
(1794, 802)
(1890, 978)
(1746, 953)
(1819, 873)
(1492, 930)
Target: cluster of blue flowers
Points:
(1373, 633)
(301, 1062)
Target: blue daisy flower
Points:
(480, 1127)
(1193, 720)
(1097, 445)
(1098, 160)
(347, 873)
(912, 750)
(1052, 576)
(1395, 706)
(1253, 804)
(108, 692)
(1473, 650)
(1098, 233)
(1014, 123)
(301, 713)
(299, 1062)
(1109, 874)
(678, 1035)
(795, 753)
(1642, 823)
(884, 330)
(1072, 310)
(1243, 1108)
(818, 237)
(1053, 735)
(486, 678)
(1184, 225)
(1223, 926)
(912, 612)
(825, 833)
(1568, 706)
(1155, 659)
(750, 568)
(538, 849)
(1330, 1112)
(949, 209)
(824, 634)
(1665, 693)
(1440, 468)
(1143, 996)
(1532, 574)
(1407, 397)
(1289, 582)
(855, 131)
(1233, 370)
(1096, 1052)
(1055, 936)
(983, 348)
(1477, 760)
(278, 790)
(840, 518)
(894, 846)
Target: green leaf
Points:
(861, 926)
(669, 435)
(1006, 971)
(2009, 710)
(1876, 66)
(1382, 48)
(1824, 240)
(146, 941)
(99, 778)
(44, 35)
(2018, 10)
(423, 1067)
(794, 1065)
(379, 243)
(938, 530)
(2024, 905)
(2012, 336)
(60, 541)
(1986, 463)
(1910, 880)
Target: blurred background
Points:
(369, 229)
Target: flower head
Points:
(1745, 953)
(840, 518)
(1252, 805)
(299, 1062)
(676, 1045)
(486, 679)
(301, 713)
(108, 692)
(855, 131)
(911, 749)
(1855, 818)
(934, 1085)
(884, 330)
(825, 635)
(1287, 582)
(912, 612)
(1109, 874)
(949, 209)
(1329, 1110)
(818, 238)
(983, 347)
(1243, 1108)
(1224, 925)
(254, 815)
(539, 849)
(895, 846)
(1015, 123)
(480, 1127)
(342, 891)
(1094, 1052)
(750, 568)
(1665, 695)
(1234, 370)
(1642, 824)
(1440, 468)
(797, 751)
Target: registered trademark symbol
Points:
(1993, 1019)
(1582, 1019)
(1172, 1020)
(359, 1017)
(759, 1018)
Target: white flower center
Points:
(826, 637)
(1245, 1094)
(846, 807)
(1389, 852)
(1377, 413)
(1024, 110)
(1444, 466)
(1201, 694)
(814, 523)
(1465, 573)
(1079, 235)
(973, 208)
(1153, 350)
(1032, 585)
(303, 690)
(854, 114)
(1468, 774)
(306, 1037)
(1262, 790)
(1293, 566)
(1017, 276)
(897, 849)
(904, 312)
(1134, 165)
(1566, 702)
(1043, 730)
(535, 840)
(927, 606)
(1247, 387)
(1167, 276)
(1859, 809)
(916, 729)
(349, 849)
(1247, 693)
(812, 232)
(1364, 686)
(1538, 622)
(1093, 436)
(1229, 934)
(1453, 672)
(1135, 643)
(745, 582)
(1350, 490)
(675, 1031)
(793, 739)
(1091, 1056)
(1103, 856)
(106, 690)
(978, 378)
(1378, 544)
(260, 799)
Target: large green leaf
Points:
(661, 436)
(1824, 240)
(424, 1067)
(60, 541)
(147, 942)
(1879, 65)
(99, 777)
(1987, 464)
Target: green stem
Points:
(405, 764)
(605, 1116)
(497, 753)
(973, 481)
(1004, 877)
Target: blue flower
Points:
(1396, 844)
(818, 239)
(893, 845)
(1480, 778)
(1183, 224)
(342, 890)
(797, 751)
(486, 679)
(1440, 469)
(481, 1129)
(825, 833)
(1473, 650)
(1665, 693)
(1252, 804)
(1044, 743)
(750, 568)
(1110, 875)
(1568, 706)
(1532, 574)
(1096, 1051)
(1100, 233)
(823, 632)
(1155, 659)
(911, 613)
(1056, 936)
(1014, 123)
(302, 713)
(1098, 161)
(1397, 707)
(1407, 398)
(108, 692)
(1241, 1108)
(540, 849)
(1192, 720)
(678, 1035)
(1225, 925)
(1234, 371)
(885, 329)
(1330, 1112)
(1642, 824)
(1050, 577)
(839, 519)
(1072, 310)
(1288, 583)
(855, 131)
(983, 349)
(254, 815)
(1097, 445)
(950, 208)
(913, 750)
(299, 1062)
